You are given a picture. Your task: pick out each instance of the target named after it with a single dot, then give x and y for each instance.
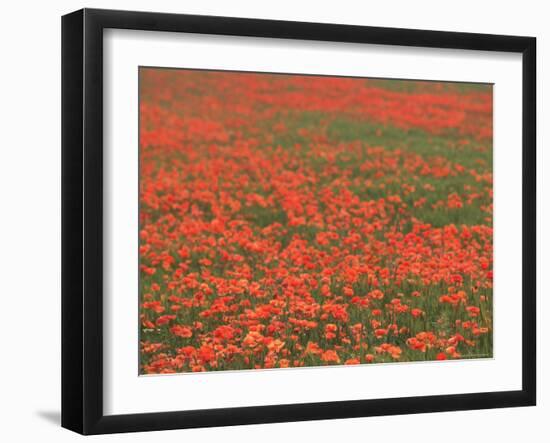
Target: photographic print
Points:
(291, 220)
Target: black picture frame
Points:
(82, 219)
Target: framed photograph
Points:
(269, 221)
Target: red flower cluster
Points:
(291, 221)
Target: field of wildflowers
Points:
(290, 221)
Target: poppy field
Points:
(298, 221)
